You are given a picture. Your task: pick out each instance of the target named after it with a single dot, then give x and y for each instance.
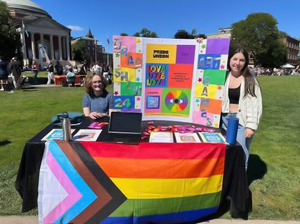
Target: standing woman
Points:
(50, 73)
(97, 102)
(242, 99)
(35, 70)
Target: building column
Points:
(33, 46)
(42, 42)
(42, 39)
(52, 47)
(23, 41)
(60, 48)
(68, 47)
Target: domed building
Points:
(39, 28)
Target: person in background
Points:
(35, 70)
(96, 69)
(59, 68)
(50, 73)
(71, 76)
(14, 68)
(75, 70)
(84, 68)
(97, 102)
(242, 99)
(3, 73)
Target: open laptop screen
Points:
(125, 122)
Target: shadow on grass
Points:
(4, 143)
(41, 80)
(29, 89)
(257, 168)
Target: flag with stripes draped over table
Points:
(92, 182)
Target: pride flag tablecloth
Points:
(92, 182)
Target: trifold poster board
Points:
(170, 79)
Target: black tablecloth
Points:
(235, 184)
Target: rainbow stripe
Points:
(92, 182)
(162, 182)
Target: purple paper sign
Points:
(185, 54)
(217, 46)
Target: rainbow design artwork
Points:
(176, 101)
(147, 70)
(92, 182)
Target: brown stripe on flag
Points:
(103, 197)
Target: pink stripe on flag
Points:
(73, 194)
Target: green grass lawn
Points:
(274, 168)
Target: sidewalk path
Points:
(34, 220)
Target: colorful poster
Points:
(128, 64)
(210, 78)
(168, 79)
(171, 79)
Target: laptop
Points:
(124, 127)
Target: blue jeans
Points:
(240, 138)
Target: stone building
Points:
(292, 45)
(39, 28)
(95, 51)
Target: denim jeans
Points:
(240, 138)
(35, 79)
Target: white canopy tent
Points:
(287, 66)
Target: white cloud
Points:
(75, 28)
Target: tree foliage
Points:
(259, 35)
(145, 33)
(183, 34)
(78, 51)
(123, 34)
(9, 38)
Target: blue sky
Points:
(165, 17)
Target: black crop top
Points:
(234, 95)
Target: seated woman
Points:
(97, 102)
(71, 77)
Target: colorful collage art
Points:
(168, 79)
(128, 63)
(209, 82)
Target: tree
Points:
(137, 34)
(9, 38)
(259, 35)
(183, 34)
(78, 51)
(145, 33)
(123, 34)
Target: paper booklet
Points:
(87, 135)
(166, 137)
(212, 137)
(55, 134)
(187, 137)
